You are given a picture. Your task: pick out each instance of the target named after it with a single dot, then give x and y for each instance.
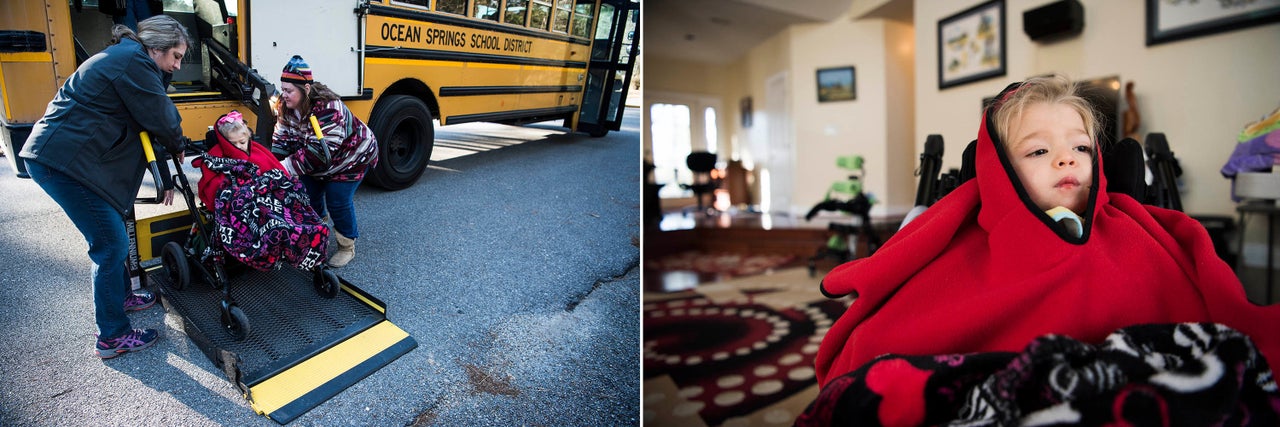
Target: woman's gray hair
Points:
(160, 32)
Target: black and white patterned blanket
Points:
(1192, 374)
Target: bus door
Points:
(326, 33)
(613, 53)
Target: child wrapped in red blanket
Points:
(1035, 245)
(262, 214)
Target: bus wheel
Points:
(406, 136)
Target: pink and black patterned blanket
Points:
(264, 218)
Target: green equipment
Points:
(843, 243)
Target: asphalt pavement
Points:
(514, 263)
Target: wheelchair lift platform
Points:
(302, 348)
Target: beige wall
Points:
(682, 77)
(824, 131)
(1199, 92)
(900, 87)
(820, 132)
(746, 78)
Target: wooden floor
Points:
(739, 231)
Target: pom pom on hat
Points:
(296, 71)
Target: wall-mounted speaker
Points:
(1054, 21)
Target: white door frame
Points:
(779, 145)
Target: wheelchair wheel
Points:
(326, 283)
(235, 322)
(175, 263)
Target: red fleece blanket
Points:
(984, 270)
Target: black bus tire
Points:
(406, 137)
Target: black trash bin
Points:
(1220, 228)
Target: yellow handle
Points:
(150, 153)
(146, 147)
(315, 126)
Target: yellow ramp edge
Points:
(366, 300)
(284, 388)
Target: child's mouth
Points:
(1068, 182)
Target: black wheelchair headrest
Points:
(701, 161)
(1125, 169)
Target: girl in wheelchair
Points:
(1033, 278)
(262, 214)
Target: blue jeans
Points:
(337, 196)
(103, 228)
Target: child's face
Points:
(240, 139)
(1051, 152)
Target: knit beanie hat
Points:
(296, 71)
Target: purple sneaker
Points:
(139, 300)
(134, 340)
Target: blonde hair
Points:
(226, 129)
(1051, 89)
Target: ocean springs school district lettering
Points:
(442, 37)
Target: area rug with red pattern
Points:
(738, 352)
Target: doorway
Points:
(679, 125)
(779, 148)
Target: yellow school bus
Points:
(401, 66)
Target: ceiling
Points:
(722, 31)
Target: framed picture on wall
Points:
(837, 84)
(744, 107)
(1170, 21)
(971, 45)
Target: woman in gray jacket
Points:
(87, 155)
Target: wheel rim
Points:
(403, 150)
(330, 284)
(234, 324)
(175, 264)
(170, 266)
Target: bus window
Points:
(516, 11)
(582, 18)
(540, 15)
(452, 6)
(423, 3)
(601, 49)
(564, 10)
(486, 9)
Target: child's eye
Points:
(1084, 148)
(1037, 153)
